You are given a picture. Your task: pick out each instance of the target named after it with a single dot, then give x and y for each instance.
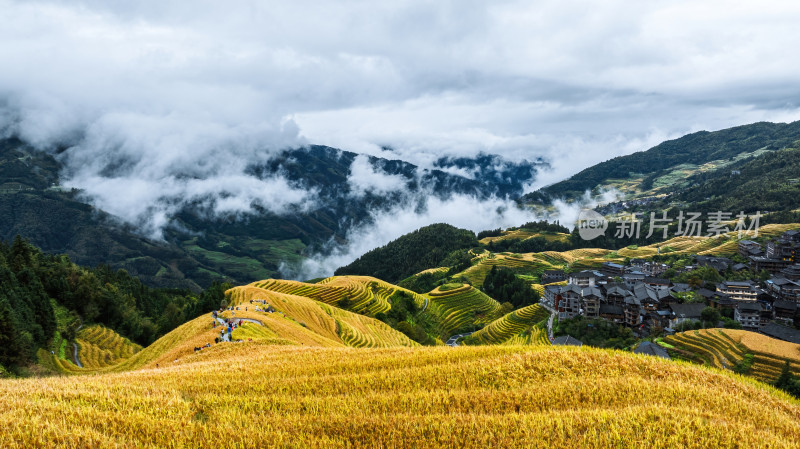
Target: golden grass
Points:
(510, 325)
(726, 348)
(100, 346)
(519, 234)
(461, 308)
(257, 395)
(334, 324)
(368, 295)
(765, 344)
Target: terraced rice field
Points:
(339, 326)
(510, 325)
(367, 295)
(99, 346)
(521, 234)
(528, 264)
(535, 336)
(462, 308)
(264, 395)
(727, 348)
(590, 258)
(298, 321)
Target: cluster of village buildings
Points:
(635, 295)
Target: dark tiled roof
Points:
(706, 293)
(617, 290)
(692, 310)
(608, 309)
(749, 307)
(736, 284)
(567, 340)
(612, 265)
(659, 281)
(592, 291)
(681, 287)
(781, 332)
(787, 305)
(648, 348)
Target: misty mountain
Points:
(663, 166)
(766, 183)
(199, 243)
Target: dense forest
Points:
(36, 286)
(427, 247)
(502, 285)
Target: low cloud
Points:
(364, 177)
(460, 211)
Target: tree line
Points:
(35, 284)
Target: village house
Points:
(783, 288)
(612, 270)
(784, 312)
(632, 278)
(652, 349)
(758, 263)
(657, 283)
(583, 279)
(792, 272)
(717, 263)
(633, 311)
(568, 303)
(553, 276)
(590, 301)
(615, 295)
(748, 314)
(612, 313)
(749, 248)
(567, 340)
(738, 290)
(682, 313)
(550, 294)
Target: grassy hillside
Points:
(422, 249)
(297, 320)
(450, 308)
(531, 265)
(99, 346)
(361, 294)
(259, 395)
(676, 159)
(519, 327)
(461, 307)
(745, 352)
(770, 182)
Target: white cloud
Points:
(460, 211)
(165, 102)
(365, 178)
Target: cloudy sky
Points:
(162, 89)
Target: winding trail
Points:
(75, 354)
(75, 347)
(226, 335)
(425, 306)
(453, 341)
(550, 326)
